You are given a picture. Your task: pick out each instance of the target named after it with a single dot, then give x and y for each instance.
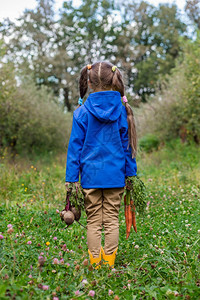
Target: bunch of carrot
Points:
(134, 199)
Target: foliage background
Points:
(42, 55)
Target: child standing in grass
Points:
(102, 147)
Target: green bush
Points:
(31, 120)
(190, 114)
(175, 110)
(149, 142)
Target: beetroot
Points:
(76, 212)
(74, 202)
(68, 217)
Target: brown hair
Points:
(102, 77)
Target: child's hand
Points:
(77, 184)
(66, 185)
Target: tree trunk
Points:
(66, 99)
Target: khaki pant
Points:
(102, 209)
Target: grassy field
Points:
(39, 259)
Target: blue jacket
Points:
(98, 143)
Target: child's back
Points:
(102, 130)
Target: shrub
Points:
(191, 93)
(149, 142)
(175, 110)
(31, 120)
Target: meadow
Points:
(39, 259)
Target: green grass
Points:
(161, 261)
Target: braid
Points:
(132, 134)
(83, 82)
(118, 84)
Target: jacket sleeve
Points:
(130, 163)
(75, 145)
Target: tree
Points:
(141, 39)
(192, 9)
(151, 43)
(35, 45)
(91, 29)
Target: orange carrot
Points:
(133, 216)
(128, 214)
(129, 218)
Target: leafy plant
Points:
(149, 142)
(175, 110)
(75, 195)
(136, 187)
(31, 119)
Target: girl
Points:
(102, 131)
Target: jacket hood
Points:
(104, 105)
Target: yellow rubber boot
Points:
(95, 260)
(109, 259)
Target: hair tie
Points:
(114, 68)
(80, 101)
(124, 99)
(89, 67)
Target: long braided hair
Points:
(105, 76)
